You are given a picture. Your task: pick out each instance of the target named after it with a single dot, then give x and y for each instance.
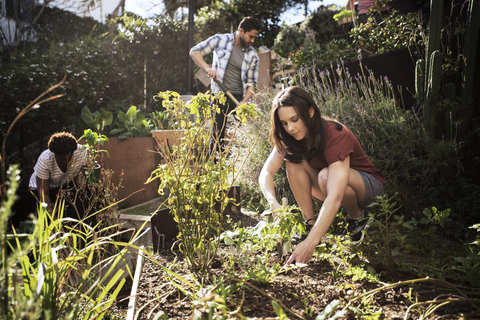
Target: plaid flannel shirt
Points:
(222, 46)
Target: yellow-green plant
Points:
(196, 182)
(344, 14)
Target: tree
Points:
(268, 11)
(224, 16)
(16, 23)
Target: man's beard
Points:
(243, 43)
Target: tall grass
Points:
(55, 271)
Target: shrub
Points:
(196, 182)
(324, 27)
(397, 31)
(288, 39)
(321, 56)
(93, 73)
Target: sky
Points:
(146, 8)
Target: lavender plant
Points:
(392, 137)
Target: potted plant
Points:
(131, 124)
(344, 17)
(196, 183)
(93, 140)
(98, 119)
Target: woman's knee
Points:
(322, 178)
(293, 167)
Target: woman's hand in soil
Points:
(302, 253)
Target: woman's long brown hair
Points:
(293, 150)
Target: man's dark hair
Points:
(62, 143)
(249, 24)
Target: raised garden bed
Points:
(303, 292)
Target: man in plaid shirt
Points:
(235, 63)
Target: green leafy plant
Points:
(344, 14)
(306, 308)
(159, 121)
(196, 182)
(131, 124)
(279, 311)
(475, 245)
(257, 268)
(288, 39)
(97, 120)
(93, 142)
(388, 224)
(290, 221)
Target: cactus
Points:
(428, 73)
(420, 80)
(471, 42)
(433, 88)
(434, 73)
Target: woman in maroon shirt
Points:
(323, 159)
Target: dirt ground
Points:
(304, 291)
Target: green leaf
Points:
(278, 310)
(329, 309)
(87, 116)
(229, 241)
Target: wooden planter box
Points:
(167, 138)
(137, 158)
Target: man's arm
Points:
(198, 59)
(248, 94)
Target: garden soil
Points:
(305, 291)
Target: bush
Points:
(397, 31)
(57, 25)
(94, 71)
(324, 27)
(196, 181)
(288, 39)
(321, 56)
